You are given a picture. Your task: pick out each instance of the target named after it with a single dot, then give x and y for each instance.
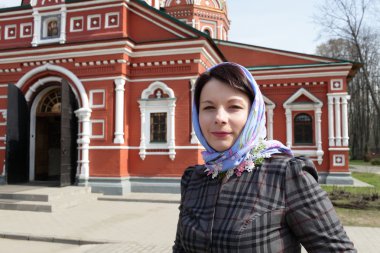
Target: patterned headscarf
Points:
(250, 145)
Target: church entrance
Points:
(52, 140)
(56, 131)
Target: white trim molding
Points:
(97, 136)
(338, 119)
(103, 95)
(156, 102)
(315, 105)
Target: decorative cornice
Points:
(298, 84)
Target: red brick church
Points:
(99, 93)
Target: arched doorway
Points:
(54, 131)
(48, 135)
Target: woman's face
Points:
(223, 112)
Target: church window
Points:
(303, 129)
(158, 127)
(157, 108)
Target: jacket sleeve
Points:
(310, 213)
(177, 247)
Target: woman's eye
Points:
(208, 107)
(236, 107)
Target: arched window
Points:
(207, 31)
(303, 129)
(50, 103)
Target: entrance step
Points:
(43, 199)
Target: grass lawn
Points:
(357, 206)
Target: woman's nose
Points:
(221, 116)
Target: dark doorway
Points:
(48, 159)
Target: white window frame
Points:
(314, 105)
(157, 105)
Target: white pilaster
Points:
(345, 120)
(270, 123)
(36, 28)
(172, 152)
(338, 122)
(62, 37)
(318, 133)
(119, 111)
(142, 152)
(289, 128)
(193, 136)
(331, 121)
(84, 115)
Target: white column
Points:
(318, 133)
(331, 121)
(289, 128)
(337, 122)
(119, 111)
(193, 136)
(142, 152)
(345, 120)
(171, 146)
(84, 118)
(270, 123)
(62, 37)
(36, 28)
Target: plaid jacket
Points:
(272, 209)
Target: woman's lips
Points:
(220, 134)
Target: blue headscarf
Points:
(251, 143)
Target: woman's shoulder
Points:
(189, 171)
(291, 166)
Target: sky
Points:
(278, 24)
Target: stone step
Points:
(34, 206)
(45, 199)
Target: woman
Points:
(251, 195)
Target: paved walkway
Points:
(134, 223)
(365, 168)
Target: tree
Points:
(352, 38)
(347, 20)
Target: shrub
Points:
(375, 161)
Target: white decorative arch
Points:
(154, 86)
(269, 107)
(315, 105)
(157, 104)
(73, 78)
(83, 113)
(206, 27)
